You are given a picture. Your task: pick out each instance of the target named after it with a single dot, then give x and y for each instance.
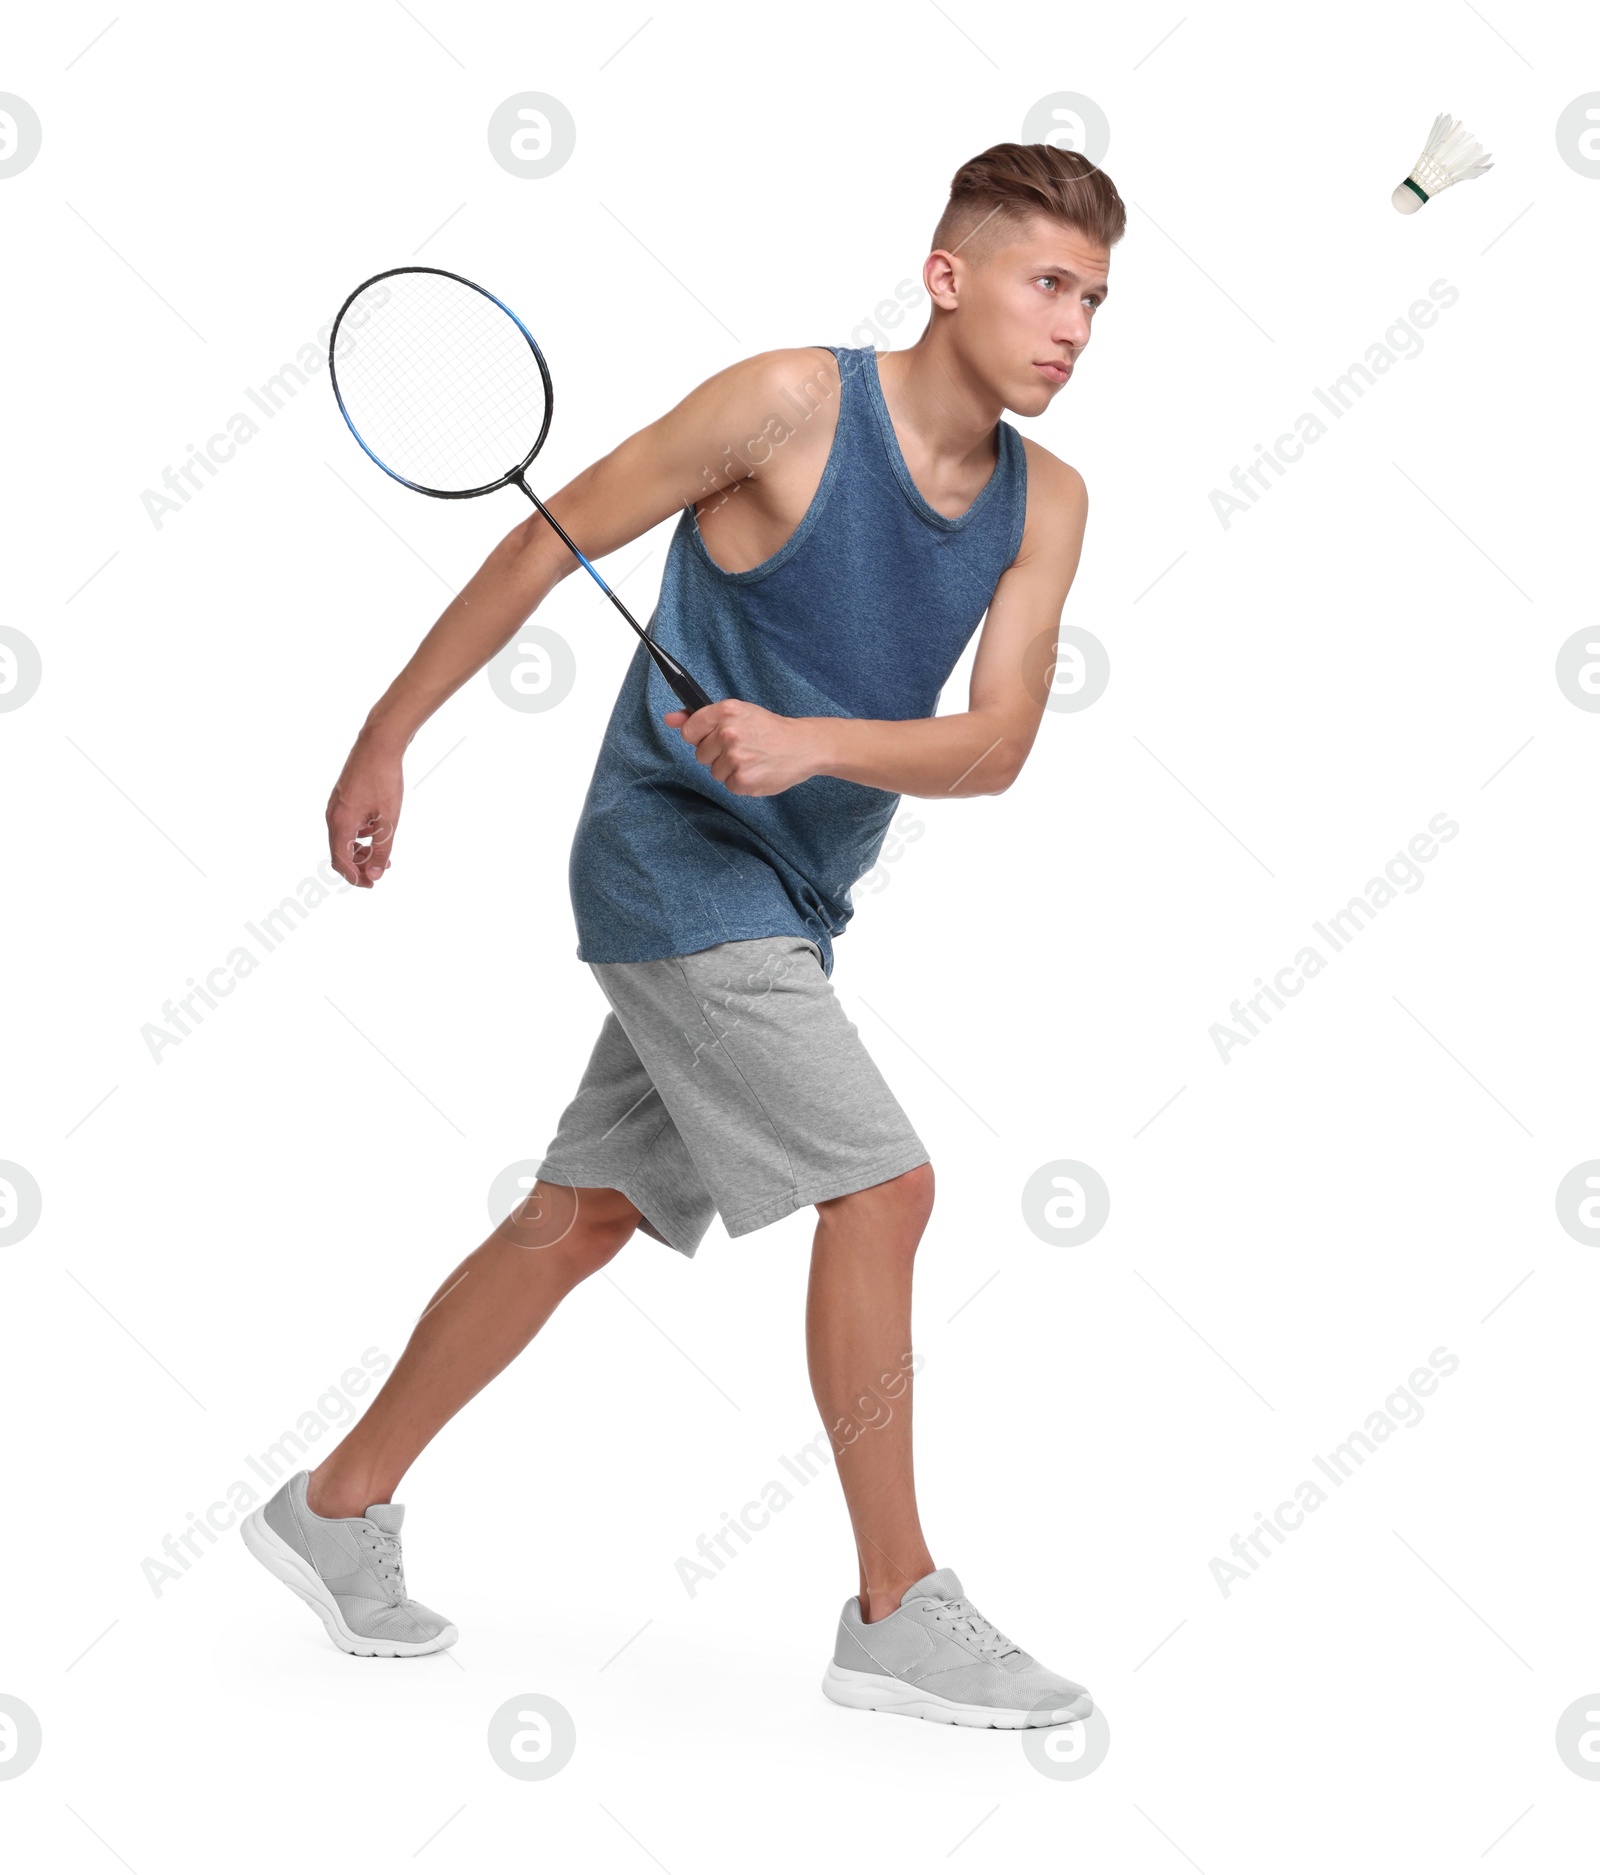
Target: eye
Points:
(1050, 277)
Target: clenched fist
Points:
(747, 748)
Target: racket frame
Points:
(445, 494)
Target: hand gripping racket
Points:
(442, 386)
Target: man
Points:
(848, 521)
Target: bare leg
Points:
(480, 1318)
(858, 1343)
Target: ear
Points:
(941, 275)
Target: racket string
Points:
(440, 382)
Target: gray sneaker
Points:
(348, 1569)
(936, 1657)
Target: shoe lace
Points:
(390, 1570)
(960, 1615)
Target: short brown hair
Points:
(1010, 182)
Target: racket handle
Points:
(684, 687)
(688, 692)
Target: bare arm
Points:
(979, 751)
(640, 483)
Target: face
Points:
(1028, 304)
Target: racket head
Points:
(440, 382)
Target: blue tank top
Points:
(862, 612)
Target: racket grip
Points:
(688, 692)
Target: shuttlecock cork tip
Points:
(1406, 199)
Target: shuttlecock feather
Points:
(1450, 155)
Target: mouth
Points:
(1056, 373)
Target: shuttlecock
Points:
(1450, 155)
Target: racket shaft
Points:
(683, 685)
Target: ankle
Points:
(880, 1602)
(330, 1495)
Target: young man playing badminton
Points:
(824, 578)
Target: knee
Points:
(913, 1191)
(583, 1253)
(580, 1228)
(905, 1203)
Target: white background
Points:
(1292, 698)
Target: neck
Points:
(939, 401)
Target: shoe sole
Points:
(879, 1692)
(294, 1572)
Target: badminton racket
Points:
(443, 386)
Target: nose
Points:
(1072, 329)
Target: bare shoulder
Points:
(1057, 483)
(1058, 504)
(791, 380)
(723, 435)
(800, 370)
(791, 389)
(728, 428)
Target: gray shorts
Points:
(728, 1081)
